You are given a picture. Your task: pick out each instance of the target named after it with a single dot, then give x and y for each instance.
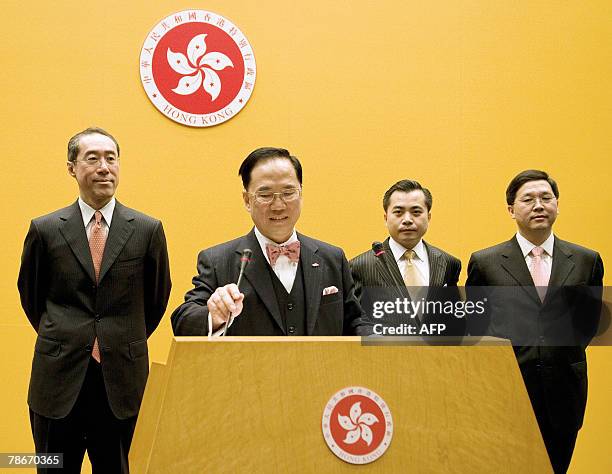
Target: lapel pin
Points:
(315, 264)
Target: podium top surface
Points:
(375, 340)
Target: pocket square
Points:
(330, 290)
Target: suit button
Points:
(97, 318)
(94, 287)
(291, 329)
(290, 306)
(88, 348)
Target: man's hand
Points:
(226, 301)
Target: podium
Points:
(255, 404)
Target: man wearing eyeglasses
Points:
(544, 294)
(293, 285)
(94, 283)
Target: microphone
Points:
(378, 249)
(245, 258)
(379, 253)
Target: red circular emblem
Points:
(357, 425)
(197, 68)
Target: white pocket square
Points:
(445, 284)
(330, 290)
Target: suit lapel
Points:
(437, 269)
(437, 266)
(514, 263)
(394, 270)
(73, 231)
(120, 231)
(562, 266)
(258, 275)
(311, 268)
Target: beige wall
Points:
(459, 95)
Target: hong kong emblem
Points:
(357, 425)
(197, 68)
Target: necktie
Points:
(291, 251)
(538, 271)
(412, 276)
(97, 241)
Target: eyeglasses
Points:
(530, 201)
(93, 161)
(267, 197)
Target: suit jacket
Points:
(69, 310)
(379, 278)
(549, 337)
(323, 266)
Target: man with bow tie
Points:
(293, 285)
(544, 294)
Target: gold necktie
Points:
(412, 276)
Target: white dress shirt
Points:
(527, 247)
(285, 269)
(420, 261)
(87, 213)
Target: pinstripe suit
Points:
(68, 309)
(383, 275)
(549, 337)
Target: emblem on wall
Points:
(197, 68)
(357, 425)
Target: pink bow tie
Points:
(291, 251)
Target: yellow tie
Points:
(412, 276)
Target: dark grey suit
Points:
(69, 310)
(323, 266)
(549, 337)
(381, 278)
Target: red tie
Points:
(97, 240)
(291, 251)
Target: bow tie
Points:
(291, 251)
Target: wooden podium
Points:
(255, 404)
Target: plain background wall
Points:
(458, 95)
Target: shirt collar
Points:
(399, 250)
(87, 211)
(263, 240)
(527, 246)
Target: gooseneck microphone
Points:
(245, 258)
(379, 251)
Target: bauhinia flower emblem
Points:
(357, 425)
(199, 69)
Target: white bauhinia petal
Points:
(368, 419)
(189, 84)
(366, 434)
(345, 422)
(178, 62)
(196, 48)
(355, 412)
(352, 436)
(212, 83)
(217, 61)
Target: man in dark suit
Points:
(544, 294)
(94, 283)
(405, 266)
(294, 285)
